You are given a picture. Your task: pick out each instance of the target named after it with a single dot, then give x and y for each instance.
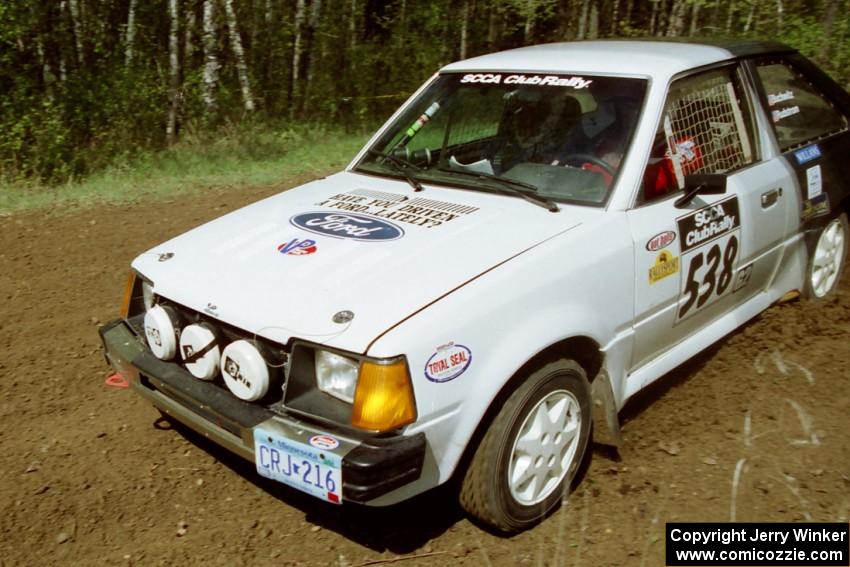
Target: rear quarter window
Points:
(799, 113)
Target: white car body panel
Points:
(381, 282)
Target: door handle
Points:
(769, 198)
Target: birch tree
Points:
(131, 35)
(173, 71)
(239, 53)
(464, 28)
(77, 26)
(300, 8)
(189, 37)
(211, 64)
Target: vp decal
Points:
(449, 362)
(296, 247)
(347, 225)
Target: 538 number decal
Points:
(716, 278)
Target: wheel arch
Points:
(586, 351)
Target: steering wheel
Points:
(590, 158)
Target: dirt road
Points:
(91, 477)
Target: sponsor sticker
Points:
(784, 113)
(743, 277)
(449, 362)
(814, 181)
(296, 247)
(779, 97)
(807, 154)
(427, 213)
(661, 240)
(709, 223)
(816, 207)
(666, 264)
(534, 80)
(324, 442)
(347, 225)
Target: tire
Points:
(515, 443)
(827, 258)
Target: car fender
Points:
(501, 335)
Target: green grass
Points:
(238, 158)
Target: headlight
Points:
(336, 375)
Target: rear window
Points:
(799, 113)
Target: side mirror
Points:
(701, 184)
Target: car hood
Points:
(284, 266)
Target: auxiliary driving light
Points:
(162, 327)
(245, 371)
(200, 351)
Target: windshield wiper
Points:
(401, 165)
(509, 186)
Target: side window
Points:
(705, 128)
(799, 113)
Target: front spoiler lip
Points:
(371, 467)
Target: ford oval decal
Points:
(347, 225)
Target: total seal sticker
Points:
(450, 361)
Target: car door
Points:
(696, 261)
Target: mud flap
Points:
(606, 422)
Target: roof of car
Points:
(617, 57)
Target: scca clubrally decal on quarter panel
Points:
(427, 213)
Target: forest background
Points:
(89, 85)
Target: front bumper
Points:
(371, 467)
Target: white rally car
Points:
(531, 239)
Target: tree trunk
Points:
(47, 76)
(352, 26)
(582, 19)
(211, 64)
(63, 68)
(615, 17)
(780, 17)
(528, 28)
(300, 8)
(189, 38)
(695, 20)
(677, 18)
(751, 16)
(492, 23)
(77, 26)
(239, 53)
(173, 71)
(628, 17)
(730, 17)
(653, 19)
(131, 35)
(312, 49)
(593, 25)
(464, 28)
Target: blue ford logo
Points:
(347, 225)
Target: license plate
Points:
(309, 469)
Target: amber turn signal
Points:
(384, 396)
(128, 294)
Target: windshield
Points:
(562, 135)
